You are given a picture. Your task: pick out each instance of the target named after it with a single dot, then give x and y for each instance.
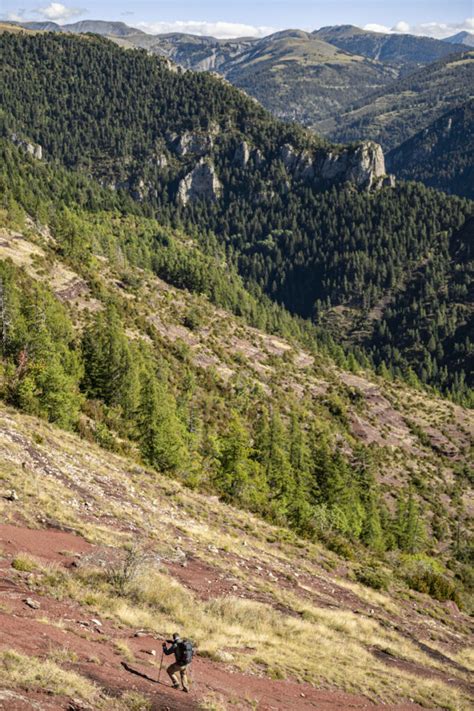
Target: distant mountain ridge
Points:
(308, 77)
(346, 83)
(464, 37)
(401, 50)
(99, 27)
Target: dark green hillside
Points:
(119, 107)
(442, 155)
(294, 74)
(129, 120)
(431, 320)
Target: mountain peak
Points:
(465, 37)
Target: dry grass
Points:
(134, 701)
(212, 702)
(466, 658)
(19, 671)
(25, 563)
(122, 647)
(341, 656)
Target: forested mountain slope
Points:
(114, 326)
(393, 115)
(442, 154)
(314, 78)
(294, 74)
(203, 155)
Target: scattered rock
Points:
(34, 604)
(97, 623)
(223, 656)
(12, 495)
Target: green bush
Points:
(426, 575)
(373, 576)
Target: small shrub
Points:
(121, 574)
(25, 563)
(340, 545)
(193, 319)
(373, 577)
(426, 575)
(134, 701)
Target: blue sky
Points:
(255, 17)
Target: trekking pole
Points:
(161, 664)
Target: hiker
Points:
(183, 653)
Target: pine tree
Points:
(161, 434)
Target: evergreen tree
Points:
(161, 434)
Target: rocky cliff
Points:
(201, 183)
(363, 165)
(34, 149)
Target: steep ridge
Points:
(466, 38)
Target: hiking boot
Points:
(175, 686)
(186, 691)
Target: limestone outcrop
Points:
(34, 149)
(363, 165)
(241, 155)
(201, 183)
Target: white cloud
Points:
(438, 30)
(57, 12)
(374, 27)
(401, 27)
(222, 30)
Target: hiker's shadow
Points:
(141, 674)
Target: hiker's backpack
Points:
(185, 651)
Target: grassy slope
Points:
(244, 585)
(226, 578)
(416, 438)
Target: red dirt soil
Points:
(95, 656)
